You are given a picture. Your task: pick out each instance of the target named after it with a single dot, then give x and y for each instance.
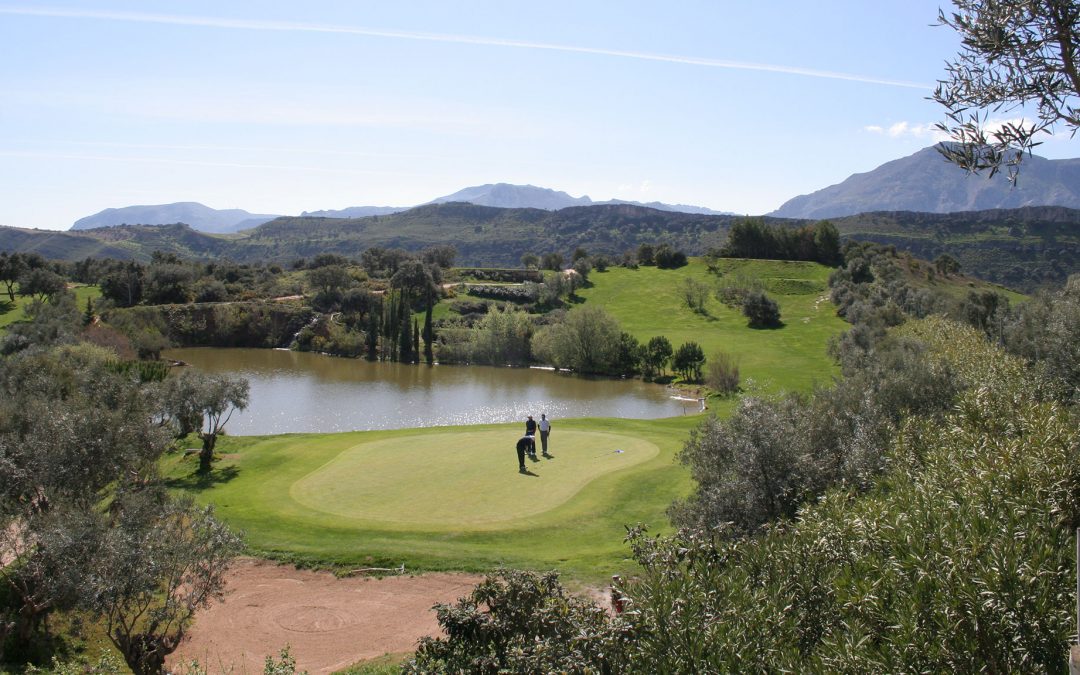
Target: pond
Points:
(302, 392)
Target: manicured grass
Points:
(13, 312)
(447, 498)
(648, 302)
(464, 475)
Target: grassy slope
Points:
(648, 302)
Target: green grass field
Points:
(452, 499)
(13, 312)
(648, 302)
(447, 498)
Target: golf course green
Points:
(466, 477)
(446, 498)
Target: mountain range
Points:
(498, 195)
(922, 182)
(926, 183)
(198, 216)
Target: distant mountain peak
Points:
(509, 196)
(198, 216)
(926, 182)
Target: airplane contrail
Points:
(287, 26)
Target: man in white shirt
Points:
(545, 429)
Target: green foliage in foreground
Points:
(430, 500)
(959, 559)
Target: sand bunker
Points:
(328, 623)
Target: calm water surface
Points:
(298, 392)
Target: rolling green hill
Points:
(1022, 248)
(647, 302)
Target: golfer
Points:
(545, 429)
(530, 426)
(525, 445)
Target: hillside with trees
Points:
(1022, 248)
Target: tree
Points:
(552, 261)
(124, 285)
(586, 340)
(210, 399)
(645, 254)
(669, 258)
(628, 355)
(946, 265)
(582, 268)
(11, 268)
(168, 283)
(326, 279)
(502, 337)
(519, 622)
(161, 561)
(696, 294)
(658, 352)
(383, 262)
(429, 333)
(71, 426)
(1016, 55)
(761, 310)
(530, 261)
(41, 283)
(688, 360)
(723, 374)
(443, 255)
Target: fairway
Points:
(447, 498)
(462, 479)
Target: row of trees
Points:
(586, 339)
(753, 238)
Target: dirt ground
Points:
(328, 622)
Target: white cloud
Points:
(908, 130)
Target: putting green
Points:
(467, 478)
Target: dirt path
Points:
(329, 623)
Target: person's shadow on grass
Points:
(526, 472)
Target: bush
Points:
(761, 310)
(518, 622)
(723, 374)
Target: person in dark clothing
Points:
(530, 426)
(526, 445)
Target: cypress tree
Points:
(429, 336)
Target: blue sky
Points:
(281, 107)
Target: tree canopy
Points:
(1016, 55)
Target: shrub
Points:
(723, 374)
(518, 622)
(761, 310)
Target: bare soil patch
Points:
(328, 622)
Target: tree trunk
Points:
(207, 454)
